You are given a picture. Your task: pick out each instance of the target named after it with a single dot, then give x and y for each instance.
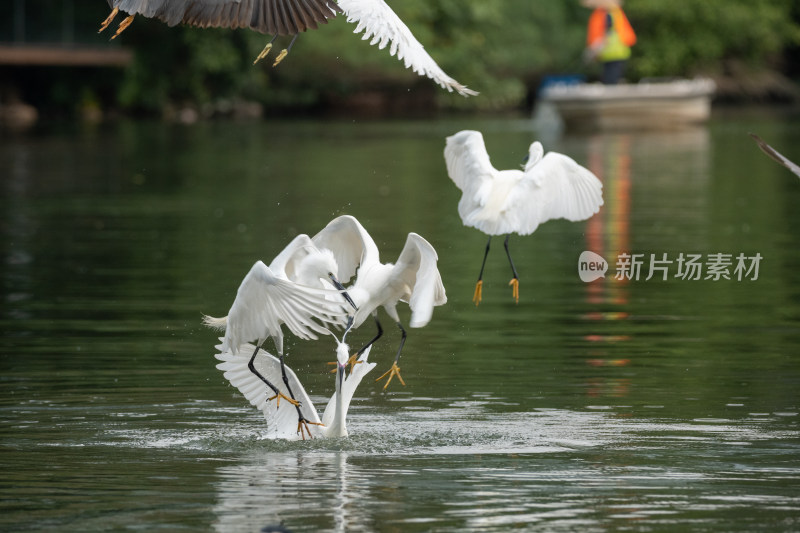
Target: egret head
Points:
(342, 356)
(535, 153)
(320, 264)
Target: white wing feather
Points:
(281, 419)
(380, 24)
(469, 167)
(265, 301)
(416, 265)
(284, 264)
(556, 187)
(350, 243)
(499, 202)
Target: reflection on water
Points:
(559, 468)
(618, 404)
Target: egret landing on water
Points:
(774, 154)
(281, 418)
(290, 17)
(500, 202)
(414, 278)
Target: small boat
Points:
(649, 104)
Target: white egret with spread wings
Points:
(298, 289)
(500, 202)
(414, 278)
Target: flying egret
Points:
(290, 291)
(504, 201)
(290, 17)
(281, 418)
(414, 279)
(776, 155)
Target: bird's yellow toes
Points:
(353, 361)
(281, 395)
(476, 297)
(264, 53)
(280, 57)
(123, 25)
(108, 20)
(392, 372)
(303, 429)
(515, 289)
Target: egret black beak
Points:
(340, 287)
(340, 373)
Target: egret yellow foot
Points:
(280, 395)
(108, 20)
(263, 53)
(302, 426)
(353, 361)
(280, 57)
(392, 372)
(476, 298)
(123, 25)
(514, 289)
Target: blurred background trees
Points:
(502, 49)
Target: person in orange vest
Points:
(609, 38)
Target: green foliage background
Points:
(501, 48)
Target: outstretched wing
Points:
(264, 302)
(377, 20)
(555, 187)
(469, 167)
(776, 155)
(350, 243)
(275, 17)
(281, 419)
(416, 267)
(287, 261)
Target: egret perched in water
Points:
(291, 291)
(414, 278)
(290, 17)
(776, 155)
(281, 418)
(500, 202)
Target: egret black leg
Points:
(402, 341)
(515, 280)
(354, 358)
(252, 368)
(374, 339)
(395, 370)
(476, 297)
(302, 422)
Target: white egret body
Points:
(414, 278)
(281, 418)
(288, 292)
(290, 17)
(500, 202)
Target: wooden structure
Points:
(64, 55)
